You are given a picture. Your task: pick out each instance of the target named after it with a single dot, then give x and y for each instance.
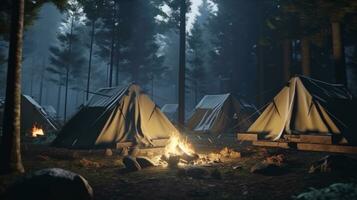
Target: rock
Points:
(216, 174)
(197, 172)
(334, 163)
(131, 165)
(52, 183)
(145, 162)
(108, 152)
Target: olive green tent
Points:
(116, 115)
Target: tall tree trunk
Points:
(196, 91)
(338, 53)
(67, 71)
(90, 58)
(261, 62)
(287, 55)
(117, 52)
(112, 48)
(59, 99)
(66, 96)
(41, 82)
(10, 160)
(305, 57)
(182, 64)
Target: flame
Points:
(36, 131)
(177, 147)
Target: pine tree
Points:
(67, 57)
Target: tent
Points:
(32, 114)
(170, 110)
(50, 110)
(304, 106)
(221, 113)
(116, 115)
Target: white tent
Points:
(221, 113)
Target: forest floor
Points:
(236, 182)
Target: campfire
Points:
(179, 151)
(37, 131)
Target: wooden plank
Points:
(151, 151)
(327, 148)
(265, 143)
(291, 138)
(247, 136)
(316, 139)
(121, 145)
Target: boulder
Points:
(145, 162)
(131, 165)
(51, 183)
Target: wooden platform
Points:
(308, 146)
(304, 142)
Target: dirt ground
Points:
(103, 173)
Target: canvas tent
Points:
(170, 110)
(305, 106)
(50, 110)
(116, 115)
(33, 114)
(221, 113)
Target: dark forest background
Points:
(246, 47)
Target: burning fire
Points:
(178, 151)
(36, 131)
(178, 147)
